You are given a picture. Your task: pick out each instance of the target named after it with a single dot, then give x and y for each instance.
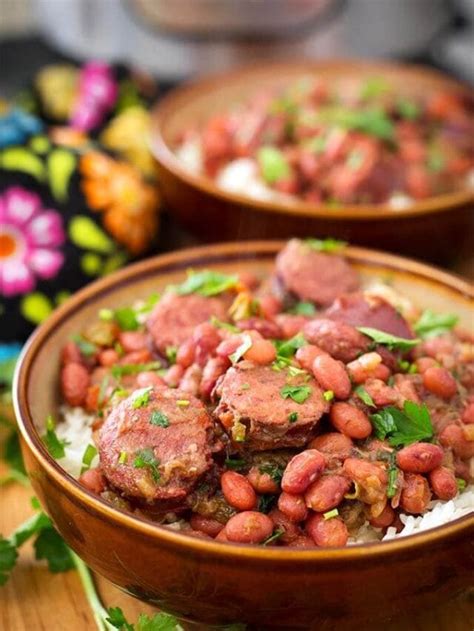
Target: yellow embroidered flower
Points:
(57, 86)
(129, 205)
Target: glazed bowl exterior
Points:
(438, 229)
(216, 583)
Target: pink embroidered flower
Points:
(97, 95)
(29, 238)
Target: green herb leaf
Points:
(89, 454)
(392, 342)
(126, 318)
(374, 87)
(275, 471)
(159, 418)
(121, 370)
(287, 348)
(273, 164)
(8, 557)
(432, 324)
(145, 459)
(299, 394)
(50, 546)
(293, 417)
(277, 533)
(372, 120)
(403, 428)
(14, 460)
(54, 445)
(364, 396)
(408, 109)
(219, 324)
(242, 349)
(392, 476)
(149, 303)
(461, 484)
(86, 348)
(141, 397)
(206, 283)
(158, 622)
(171, 353)
(303, 308)
(328, 245)
(266, 503)
(236, 464)
(328, 395)
(117, 619)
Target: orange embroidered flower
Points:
(129, 205)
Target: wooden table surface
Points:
(36, 600)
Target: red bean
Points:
(249, 527)
(262, 482)
(302, 542)
(93, 480)
(363, 367)
(261, 352)
(108, 357)
(333, 444)
(249, 279)
(214, 368)
(306, 355)
(443, 483)
(371, 479)
(384, 519)
(293, 506)
(186, 353)
(332, 375)
(468, 414)
(137, 357)
(221, 536)
(229, 346)
(453, 436)
(148, 378)
(290, 325)
(437, 346)
(281, 521)
(440, 381)
(74, 383)
(132, 341)
(238, 491)
(71, 354)
(381, 394)
(350, 421)
(420, 458)
(327, 533)
(302, 470)
(416, 494)
(266, 328)
(209, 526)
(173, 375)
(270, 305)
(326, 493)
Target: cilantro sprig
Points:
(146, 459)
(206, 283)
(329, 245)
(364, 396)
(403, 428)
(432, 324)
(298, 394)
(392, 342)
(54, 445)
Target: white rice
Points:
(76, 428)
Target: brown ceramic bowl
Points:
(436, 229)
(219, 583)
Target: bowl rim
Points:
(175, 260)
(182, 95)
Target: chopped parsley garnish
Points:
(408, 109)
(158, 622)
(171, 353)
(287, 348)
(149, 303)
(408, 367)
(432, 324)
(241, 350)
(273, 164)
(121, 370)
(275, 471)
(219, 324)
(364, 396)
(236, 464)
(277, 533)
(303, 308)
(392, 476)
(372, 120)
(123, 457)
(182, 403)
(392, 342)
(206, 283)
(461, 484)
(145, 459)
(331, 514)
(328, 395)
(245, 386)
(141, 397)
(328, 245)
(374, 87)
(293, 417)
(266, 503)
(293, 371)
(403, 428)
(106, 315)
(88, 456)
(54, 445)
(126, 318)
(160, 419)
(298, 394)
(86, 348)
(238, 432)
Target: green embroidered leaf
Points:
(87, 235)
(21, 159)
(36, 307)
(91, 264)
(61, 163)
